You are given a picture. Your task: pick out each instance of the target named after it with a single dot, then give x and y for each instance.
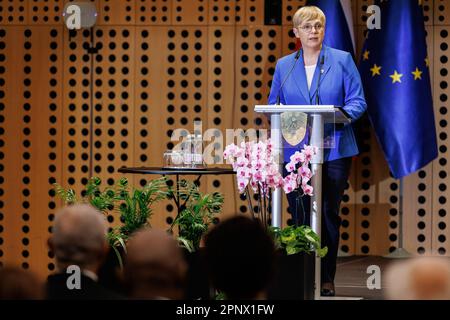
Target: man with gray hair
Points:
(80, 246)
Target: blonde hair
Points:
(308, 13)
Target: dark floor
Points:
(351, 277)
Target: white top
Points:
(310, 74)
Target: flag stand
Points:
(400, 252)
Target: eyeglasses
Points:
(308, 28)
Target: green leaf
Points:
(322, 252)
(220, 296)
(298, 239)
(291, 250)
(122, 243)
(288, 238)
(186, 244)
(68, 196)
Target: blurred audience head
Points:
(155, 267)
(18, 284)
(79, 237)
(240, 256)
(420, 278)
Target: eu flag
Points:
(395, 73)
(339, 23)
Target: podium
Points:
(318, 115)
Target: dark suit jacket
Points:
(90, 290)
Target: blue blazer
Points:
(340, 85)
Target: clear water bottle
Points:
(197, 150)
(187, 151)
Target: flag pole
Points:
(400, 252)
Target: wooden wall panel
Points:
(226, 12)
(14, 12)
(441, 11)
(44, 144)
(76, 130)
(3, 113)
(440, 195)
(149, 12)
(32, 145)
(289, 9)
(372, 199)
(220, 108)
(288, 40)
(418, 211)
(113, 104)
(348, 216)
(113, 12)
(254, 12)
(150, 109)
(257, 49)
(12, 68)
(190, 12)
(361, 9)
(45, 12)
(151, 89)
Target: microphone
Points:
(322, 60)
(287, 76)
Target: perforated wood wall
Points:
(67, 114)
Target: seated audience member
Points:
(79, 245)
(240, 256)
(154, 267)
(421, 278)
(18, 284)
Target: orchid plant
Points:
(299, 172)
(255, 166)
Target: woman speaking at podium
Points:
(317, 74)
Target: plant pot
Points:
(197, 282)
(293, 278)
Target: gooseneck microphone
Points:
(322, 60)
(287, 76)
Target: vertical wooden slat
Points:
(220, 109)
(12, 172)
(76, 115)
(440, 196)
(45, 142)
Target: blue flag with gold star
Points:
(395, 73)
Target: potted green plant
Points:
(134, 205)
(193, 221)
(135, 209)
(295, 239)
(297, 247)
(197, 214)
